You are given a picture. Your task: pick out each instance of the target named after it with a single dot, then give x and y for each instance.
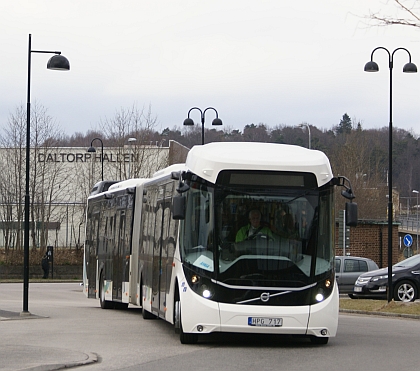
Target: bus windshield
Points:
(269, 235)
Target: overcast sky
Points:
(262, 61)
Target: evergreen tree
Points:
(345, 125)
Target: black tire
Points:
(105, 304)
(318, 340)
(351, 296)
(186, 337)
(405, 291)
(177, 319)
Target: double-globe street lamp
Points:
(190, 122)
(92, 149)
(56, 62)
(409, 67)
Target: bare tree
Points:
(45, 177)
(406, 159)
(12, 178)
(136, 123)
(192, 135)
(352, 157)
(409, 10)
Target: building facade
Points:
(60, 182)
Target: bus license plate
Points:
(265, 322)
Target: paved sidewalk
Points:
(38, 358)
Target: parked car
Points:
(405, 281)
(348, 269)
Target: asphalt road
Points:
(66, 329)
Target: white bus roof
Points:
(169, 169)
(127, 183)
(209, 159)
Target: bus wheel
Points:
(177, 317)
(318, 340)
(105, 304)
(186, 338)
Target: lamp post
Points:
(417, 219)
(190, 122)
(409, 67)
(56, 62)
(130, 140)
(309, 131)
(93, 149)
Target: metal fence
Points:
(409, 224)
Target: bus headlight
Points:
(205, 291)
(322, 290)
(200, 284)
(195, 279)
(328, 283)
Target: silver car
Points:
(348, 269)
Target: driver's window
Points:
(197, 240)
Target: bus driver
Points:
(253, 228)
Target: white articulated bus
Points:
(184, 247)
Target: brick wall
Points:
(370, 240)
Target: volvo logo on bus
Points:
(265, 296)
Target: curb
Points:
(91, 358)
(383, 314)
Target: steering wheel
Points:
(264, 236)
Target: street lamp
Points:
(92, 149)
(417, 219)
(409, 67)
(56, 62)
(190, 122)
(130, 140)
(309, 132)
